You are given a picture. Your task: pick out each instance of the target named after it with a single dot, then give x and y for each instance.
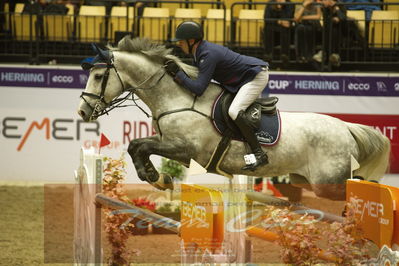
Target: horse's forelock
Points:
(156, 52)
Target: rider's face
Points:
(184, 46)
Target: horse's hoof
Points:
(164, 182)
(155, 185)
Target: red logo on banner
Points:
(104, 141)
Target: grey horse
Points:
(314, 149)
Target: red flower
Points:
(144, 203)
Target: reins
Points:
(97, 110)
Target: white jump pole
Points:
(87, 226)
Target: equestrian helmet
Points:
(189, 30)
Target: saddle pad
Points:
(268, 133)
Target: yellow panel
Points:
(251, 14)
(392, 7)
(188, 13)
(202, 218)
(57, 27)
(203, 7)
(171, 6)
(7, 17)
(120, 11)
(214, 27)
(22, 26)
(360, 17)
(92, 10)
(154, 24)
(260, 6)
(19, 8)
(153, 12)
(237, 8)
(249, 26)
(91, 23)
(383, 29)
(382, 14)
(117, 21)
(71, 9)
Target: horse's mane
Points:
(156, 52)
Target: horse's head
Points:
(139, 68)
(104, 85)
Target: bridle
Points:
(98, 109)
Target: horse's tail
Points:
(374, 151)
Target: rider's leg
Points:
(249, 135)
(244, 98)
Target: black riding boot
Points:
(249, 135)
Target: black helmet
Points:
(189, 30)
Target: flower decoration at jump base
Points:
(144, 203)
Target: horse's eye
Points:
(98, 76)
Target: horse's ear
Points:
(103, 54)
(95, 48)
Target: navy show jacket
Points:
(217, 62)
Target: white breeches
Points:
(249, 93)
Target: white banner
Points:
(41, 133)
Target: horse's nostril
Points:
(81, 113)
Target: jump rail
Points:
(382, 216)
(139, 213)
(270, 200)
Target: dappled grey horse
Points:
(314, 149)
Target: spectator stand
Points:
(368, 44)
(370, 41)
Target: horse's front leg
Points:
(141, 149)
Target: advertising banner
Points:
(323, 84)
(41, 132)
(43, 77)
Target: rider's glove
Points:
(172, 68)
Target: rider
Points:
(242, 75)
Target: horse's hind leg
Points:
(299, 181)
(141, 149)
(330, 182)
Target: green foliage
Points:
(167, 207)
(173, 168)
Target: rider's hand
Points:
(172, 68)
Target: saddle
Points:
(262, 115)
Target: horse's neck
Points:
(155, 88)
(164, 94)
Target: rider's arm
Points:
(206, 68)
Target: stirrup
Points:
(261, 160)
(164, 182)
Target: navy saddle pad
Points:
(267, 134)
